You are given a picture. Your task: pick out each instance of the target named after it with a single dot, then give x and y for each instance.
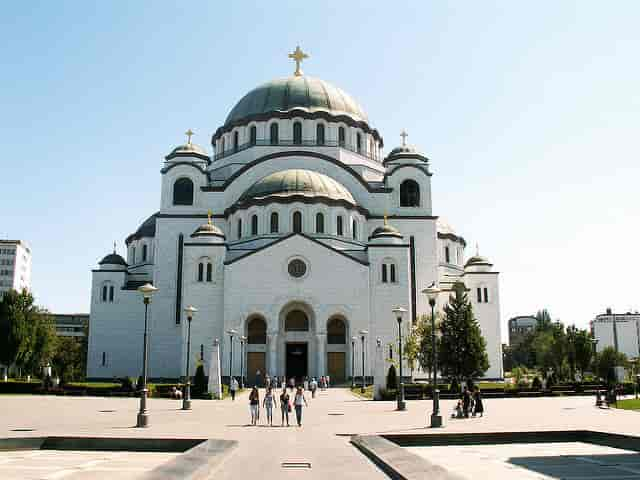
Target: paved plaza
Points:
(323, 441)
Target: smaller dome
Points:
(113, 259)
(147, 229)
(189, 148)
(406, 152)
(298, 182)
(404, 149)
(478, 260)
(385, 231)
(208, 230)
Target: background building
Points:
(15, 265)
(618, 330)
(519, 327)
(71, 324)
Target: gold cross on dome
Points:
(297, 56)
(189, 133)
(209, 214)
(404, 136)
(114, 247)
(385, 217)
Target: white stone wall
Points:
(628, 328)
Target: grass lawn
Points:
(368, 392)
(94, 384)
(631, 404)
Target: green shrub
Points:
(455, 386)
(126, 384)
(536, 384)
(392, 378)
(199, 382)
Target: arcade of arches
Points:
(297, 349)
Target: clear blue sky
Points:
(529, 112)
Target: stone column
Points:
(215, 383)
(272, 348)
(321, 339)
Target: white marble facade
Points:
(299, 286)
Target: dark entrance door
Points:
(297, 360)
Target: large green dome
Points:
(297, 182)
(295, 93)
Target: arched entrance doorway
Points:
(256, 350)
(336, 349)
(296, 328)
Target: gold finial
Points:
(209, 214)
(189, 133)
(385, 217)
(297, 56)
(404, 136)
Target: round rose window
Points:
(297, 268)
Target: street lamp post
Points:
(147, 292)
(399, 313)
(243, 339)
(231, 334)
(353, 362)
(186, 399)
(363, 334)
(432, 294)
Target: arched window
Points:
(339, 226)
(319, 223)
(336, 332)
(222, 145)
(144, 253)
(296, 321)
(111, 293)
(254, 225)
(257, 331)
(389, 271)
(274, 222)
(201, 272)
(209, 272)
(239, 228)
(479, 292)
(447, 254)
(104, 293)
(253, 135)
(297, 222)
(341, 136)
(320, 134)
(235, 141)
(358, 143)
(354, 229)
(385, 278)
(392, 273)
(409, 194)
(273, 138)
(183, 192)
(297, 133)
(133, 255)
(486, 295)
(104, 359)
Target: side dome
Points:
(303, 93)
(478, 260)
(385, 231)
(292, 182)
(113, 260)
(188, 150)
(146, 230)
(405, 152)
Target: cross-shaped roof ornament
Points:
(189, 133)
(209, 214)
(404, 136)
(297, 56)
(114, 247)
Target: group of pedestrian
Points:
(269, 403)
(469, 404)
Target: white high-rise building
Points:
(618, 330)
(15, 265)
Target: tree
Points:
(67, 360)
(410, 348)
(424, 344)
(392, 378)
(19, 330)
(44, 341)
(583, 348)
(199, 381)
(606, 360)
(543, 319)
(462, 349)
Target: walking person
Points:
(292, 384)
(298, 402)
(233, 388)
(267, 403)
(254, 405)
(479, 407)
(466, 401)
(314, 386)
(285, 406)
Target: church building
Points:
(294, 240)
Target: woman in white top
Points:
(298, 401)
